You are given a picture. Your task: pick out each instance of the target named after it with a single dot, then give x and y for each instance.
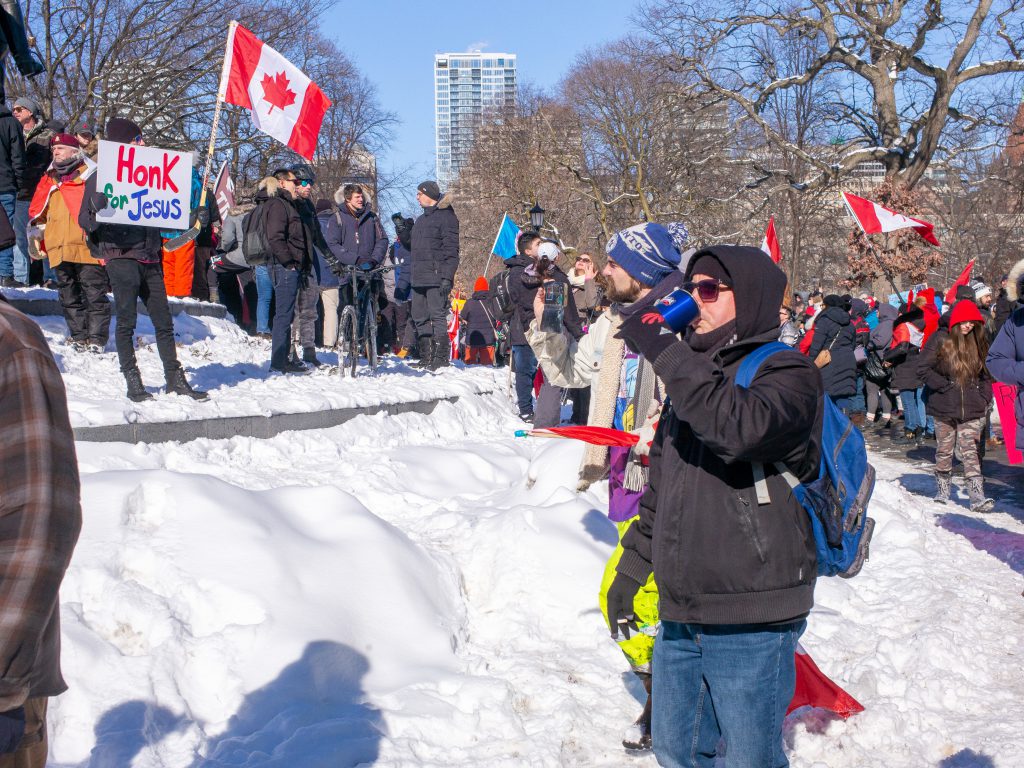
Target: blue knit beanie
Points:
(646, 251)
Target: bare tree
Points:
(902, 71)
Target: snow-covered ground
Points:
(421, 591)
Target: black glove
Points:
(97, 202)
(12, 729)
(446, 287)
(646, 334)
(620, 605)
(202, 217)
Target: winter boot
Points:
(426, 350)
(976, 493)
(442, 356)
(638, 736)
(309, 357)
(858, 419)
(177, 384)
(943, 483)
(884, 424)
(906, 437)
(919, 435)
(136, 391)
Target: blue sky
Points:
(394, 41)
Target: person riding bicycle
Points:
(354, 234)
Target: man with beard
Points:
(733, 557)
(82, 283)
(643, 266)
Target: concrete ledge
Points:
(41, 307)
(245, 426)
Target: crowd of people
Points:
(711, 582)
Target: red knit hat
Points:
(965, 311)
(481, 284)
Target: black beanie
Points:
(430, 189)
(121, 130)
(834, 300)
(323, 204)
(707, 264)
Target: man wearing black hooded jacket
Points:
(734, 559)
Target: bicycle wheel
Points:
(370, 329)
(348, 341)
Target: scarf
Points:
(712, 341)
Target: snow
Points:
(420, 590)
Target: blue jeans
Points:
(913, 408)
(7, 254)
(526, 368)
(731, 682)
(844, 404)
(286, 289)
(264, 295)
(859, 402)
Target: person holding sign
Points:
(132, 250)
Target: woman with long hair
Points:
(959, 385)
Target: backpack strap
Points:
(744, 375)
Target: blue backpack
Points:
(837, 501)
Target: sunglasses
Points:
(305, 183)
(707, 290)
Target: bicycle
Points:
(357, 330)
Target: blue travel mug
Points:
(679, 310)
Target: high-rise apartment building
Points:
(466, 86)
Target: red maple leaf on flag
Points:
(276, 92)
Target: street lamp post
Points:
(537, 217)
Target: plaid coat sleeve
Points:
(40, 515)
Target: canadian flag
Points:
(964, 279)
(284, 102)
(770, 243)
(873, 218)
(814, 689)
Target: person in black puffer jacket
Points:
(435, 260)
(907, 337)
(834, 331)
(735, 568)
(958, 395)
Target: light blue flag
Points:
(505, 242)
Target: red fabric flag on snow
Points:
(964, 279)
(591, 435)
(814, 689)
(770, 243)
(284, 102)
(873, 218)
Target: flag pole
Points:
(222, 89)
(871, 246)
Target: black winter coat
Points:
(118, 241)
(355, 240)
(905, 370)
(37, 159)
(435, 246)
(285, 233)
(834, 331)
(719, 557)
(944, 397)
(480, 315)
(523, 296)
(12, 153)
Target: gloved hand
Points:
(620, 605)
(646, 334)
(202, 217)
(97, 202)
(12, 729)
(446, 287)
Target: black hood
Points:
(480, 295)
(518, 261)
(837, 315)
(758, 284)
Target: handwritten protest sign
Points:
(145, 186)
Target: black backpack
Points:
(501, 289)
(255, 244)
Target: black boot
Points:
(136, 391)
(425, 344)
(442, 355)
(309, 356)
(919, 435)
(177, 384)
